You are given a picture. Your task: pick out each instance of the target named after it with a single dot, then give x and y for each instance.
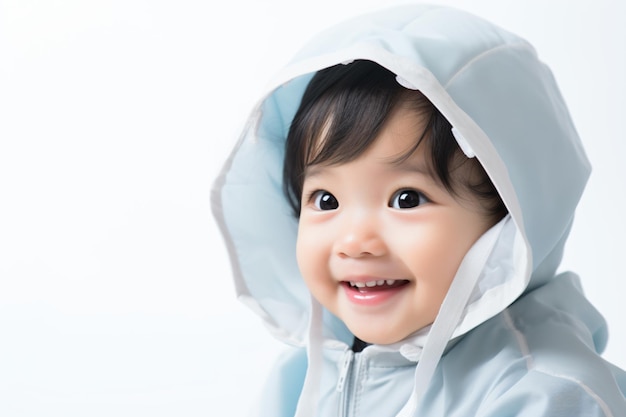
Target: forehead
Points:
(336, 143)
(400, 145)
(402, 134)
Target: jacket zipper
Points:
(346, 386)
(342, 381)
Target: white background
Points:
(115, 116)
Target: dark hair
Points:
(342, 111)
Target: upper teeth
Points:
(372, 283)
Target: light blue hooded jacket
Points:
(513, 337)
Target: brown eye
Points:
(323, 200)
(405, 199)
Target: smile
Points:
(373, 293)
(378, 284)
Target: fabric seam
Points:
(604, 406)
(495, 49)
(522, 344)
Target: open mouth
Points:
(378, 285)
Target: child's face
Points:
(380, 241)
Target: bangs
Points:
(342, 136)
(341, 114)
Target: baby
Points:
(391, 212)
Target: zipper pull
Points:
(344, 369)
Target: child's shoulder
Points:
(543, 352)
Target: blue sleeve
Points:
(281, 392)
(539, 394)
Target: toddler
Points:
(396, 211)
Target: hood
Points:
(506, 110)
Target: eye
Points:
(405, 199)
(323, 200)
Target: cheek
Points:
(435, 254)
(301, 249)
(310, 253)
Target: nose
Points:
(358, 238)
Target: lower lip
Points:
(371, 296)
